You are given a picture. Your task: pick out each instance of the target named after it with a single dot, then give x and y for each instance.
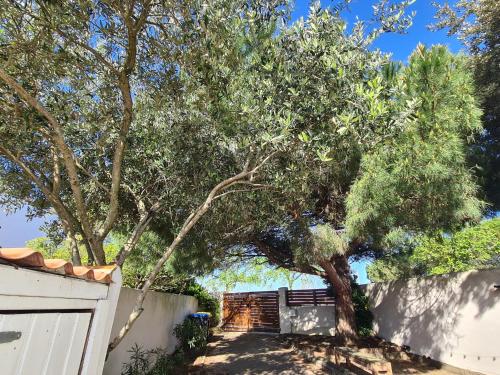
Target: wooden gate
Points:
(252, 311)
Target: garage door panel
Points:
(48, 343)
(70, 339)
(15, 333)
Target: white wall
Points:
(308, 320)
(154, 328)
(452, 318)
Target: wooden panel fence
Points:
(309, 297)
(252, 311)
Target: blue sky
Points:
(400, 45)
(15, 230)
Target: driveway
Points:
(253, 353)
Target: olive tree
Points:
(100, 98)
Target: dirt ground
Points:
(253, 353)
(402, 362)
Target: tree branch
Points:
(139, 229)
(68, 221)
(75, 252)
(91, 176)
(95, 53)
(256, 187)
(58, 138)
(56, 174)
(192, 219)
(282, 259)
(141, 206)
(133, 28)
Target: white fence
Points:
(452, 318)
(154, 328)
(307, 320)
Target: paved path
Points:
(253, 353)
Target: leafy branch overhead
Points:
(475, 247)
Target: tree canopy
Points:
(101, 100)
(94, 79)
(408, 174)
(420, 179)
(475, 247)
(306, 146)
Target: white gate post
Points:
(285, 322)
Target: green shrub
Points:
(192, 335)
(165, 364)
(150, 362)
(363, 315)
(139, 362)
(206, 302)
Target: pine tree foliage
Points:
(477, 24)
(420, 180)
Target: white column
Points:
(100, 330)
(285, 323)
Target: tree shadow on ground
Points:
(253, 353)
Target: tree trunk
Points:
(90, 254)
(75, 253)
(339, 276)
(98, 250)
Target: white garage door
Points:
(48, 343)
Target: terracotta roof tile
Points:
(30, 258)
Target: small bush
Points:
(192, 335)
(149, 362)
(364, 317)
(139, 361)
(163, 363)
(206, 302)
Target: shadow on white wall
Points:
(453, 318)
